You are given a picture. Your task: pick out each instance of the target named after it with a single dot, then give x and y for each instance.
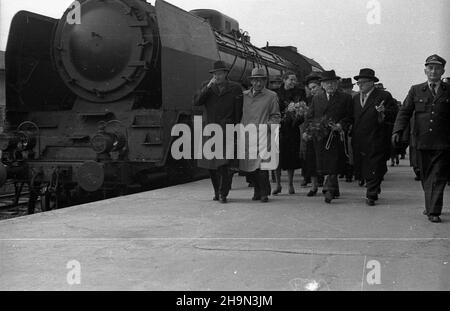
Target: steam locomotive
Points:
(90, 104)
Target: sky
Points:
(344, 35)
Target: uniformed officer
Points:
(430, 103)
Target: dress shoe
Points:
(277, 190)
(373, 197)
(312, 193)
(328, 197)
(216, 197)
(425, 212)
(370, 202)
(223, 199)
(435, 219)
(256, 198)
(264, 199)
(291, 189)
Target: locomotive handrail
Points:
(235, 56)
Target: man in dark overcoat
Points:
(429, 102)
(222, 100)
(335, 108)
(374, 112)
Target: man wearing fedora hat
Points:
(260, 108)
(222, 100)
(334, 107)
(429, 104)
(374, 114)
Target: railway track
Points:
(10, 205)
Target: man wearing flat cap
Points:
(260, 108)
(333, 110)
(429, 102)
(374, 112)
(222, 100)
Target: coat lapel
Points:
(226, 89)
(328, 103)
(441, 91)
(370, 103)
(427, 92)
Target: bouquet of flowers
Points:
(319, 129)
(295, 110)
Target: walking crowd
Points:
(332, 132)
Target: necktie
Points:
(363, 100)
(433, 89)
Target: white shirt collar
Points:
(367, 94)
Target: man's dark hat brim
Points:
(366, 73)
(312, 78)
(375, 79)
(329, 76)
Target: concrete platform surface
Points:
(179, 239)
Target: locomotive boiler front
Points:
(105, 50)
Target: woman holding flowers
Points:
(293, 108)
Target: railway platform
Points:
(177, 238)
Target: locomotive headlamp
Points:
(8, 141)
(26, 141)
(19, 140)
